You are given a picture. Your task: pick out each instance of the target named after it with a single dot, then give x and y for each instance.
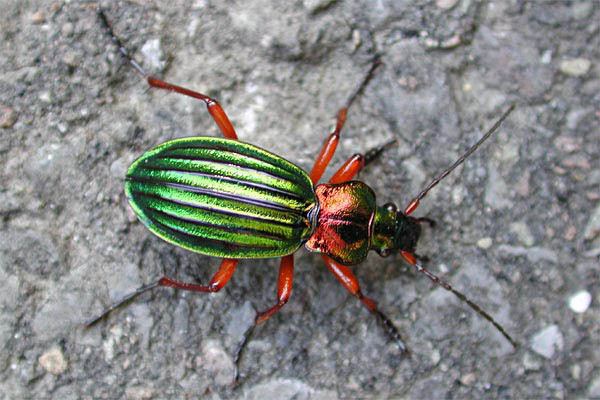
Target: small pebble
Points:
(575, 66)
(314, 6)
(356, 39)
(445, 4)
(580, 301)
(576, 372)
(139, 393)
(570, 233)
(53, 361)
(38, 17)
(484, 243)
(546, 57)
(8, 117)
(153, 54)
(523, 233)
(468, 379)
(435, 356)
(592, 228)
(71, 59)
(547, 341)
(45, 96)
(531, 362)
(67, 29)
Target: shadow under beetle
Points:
(225, 198)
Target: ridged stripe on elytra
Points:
(222, 198)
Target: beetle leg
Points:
(284, 288)
(331, 142)
(214, 108)
(345, 276)
(357, 162)
(328, 149)
(218, 281)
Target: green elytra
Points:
(222, 198)
(229, 199)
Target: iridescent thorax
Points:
(349, 224)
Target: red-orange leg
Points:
(218, 281)
(215, 110)
(284, 288)
(345, 276)
(328, 149)
(349, 170)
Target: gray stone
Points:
(215, 361)
(240, 320)
(496, 191)
(70, 245)
(548, 341)
(594, 388)
(592, 228)
(521, 229)
(533, 254)
(287, 389)
(152, 52)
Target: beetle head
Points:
(394, 231)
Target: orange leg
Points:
(345, 276)
(218, 281)
(328, 149)
(215, 110)
(284, 288)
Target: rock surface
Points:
(516, 229)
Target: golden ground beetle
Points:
(228, 199)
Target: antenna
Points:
(412, 260)
(412, 206)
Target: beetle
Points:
(225, 198)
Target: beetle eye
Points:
(391, 207)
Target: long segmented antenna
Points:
(412, 206)
(412, 260)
